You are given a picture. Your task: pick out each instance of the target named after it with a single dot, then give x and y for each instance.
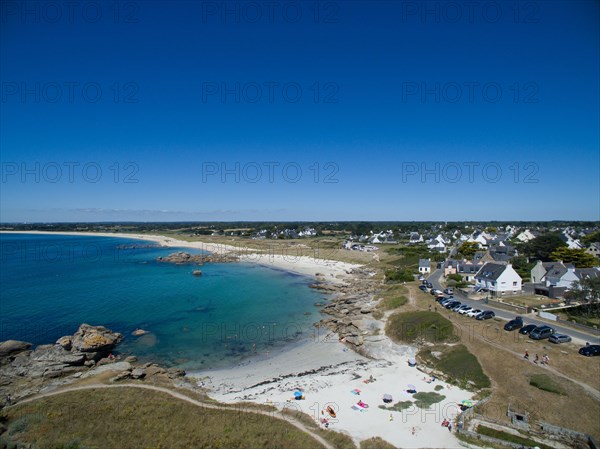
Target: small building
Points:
(424, 266)
(498, 278)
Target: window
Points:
(514, 283)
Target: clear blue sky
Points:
(148, 94)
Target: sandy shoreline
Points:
(325, 370)
(333, 271)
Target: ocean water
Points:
(49, 284)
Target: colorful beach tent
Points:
(387, 398)
(412, 362)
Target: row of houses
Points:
(285, 233)
(553, 279)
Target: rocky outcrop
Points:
(94, 339)
(12, 347)
(183, 258)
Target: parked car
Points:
(541, 333)
(526, 330)
(449, 291)
(485, 315)
(590, 350)
(451, 304)
(473, 313)
(421, 277)
(423, 288)
(456, 306)
(443, 302)
(428, 284)
(559, 338)
(465, 309)
(515, 323)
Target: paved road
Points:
(434, 278)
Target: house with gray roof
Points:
(499, 279)
(424, 266)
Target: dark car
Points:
(485, 315)
(428, 284)
(423, 288)
(541, 333)
(456, 306)
(513, 324)
(451, 304)
(525, 330)
(590, 350)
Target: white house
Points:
(415, 237)
(525, 236)
(424, 266)
(498, 278)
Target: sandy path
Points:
(299, 425)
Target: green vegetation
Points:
(377, 314)
(577, 257)
(410, 326)
(468, 249)
(505, 436)
(542, 247)
(398, 276)
(398, 406)
(586, 291)
(459, 365)
(130, 417)
(376, 443)
(439, 387)
(455, 277)
(545, 382)
(522, 267)
(591, 238)
(427, 399)
(337, 439)
(392, 302)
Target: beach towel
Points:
(356, 407)
(355, 391)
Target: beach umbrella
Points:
(412, 361)
(467, 403)
(297, 393)
(411, 387)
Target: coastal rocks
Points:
(139, 332)
(95, 339)
(12, 347)
(57, 355)
(197, 273)
(183, 258)
(65, 342)
(138, 373)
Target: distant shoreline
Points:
(332, 270)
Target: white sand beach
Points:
(326, 371)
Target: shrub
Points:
(398, 276)
(545, 383)
(410, 326)
(398, 406)
(427, 399)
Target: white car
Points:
(474, 312)
(465, 310)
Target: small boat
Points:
(331, 411)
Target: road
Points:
(434, 278)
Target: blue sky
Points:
(392, 110)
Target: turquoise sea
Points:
(49, 284)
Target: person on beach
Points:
(537, 358)
(526, 356)
(545, 359)
(391, 417)
(430, 307)
(450, 427)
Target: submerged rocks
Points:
(197, 273)
(139, 332)
(181, 258)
